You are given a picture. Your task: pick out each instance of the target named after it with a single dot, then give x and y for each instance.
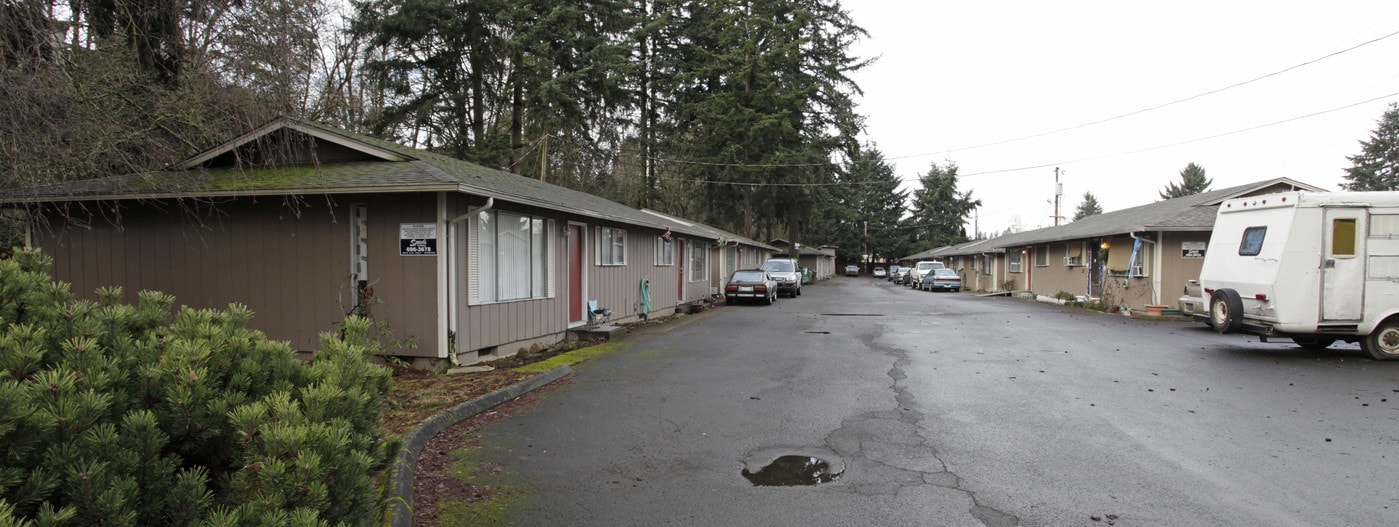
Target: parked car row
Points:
(775, 277)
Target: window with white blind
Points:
(611, 246)
(511, 255)
(665, 251)
(699, 260)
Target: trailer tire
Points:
(1313, 342)
(1226, 311)
(1383, 342)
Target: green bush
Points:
(114, 414)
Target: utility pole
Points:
(1058, 191)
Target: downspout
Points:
(1156, 268)
(452, 304)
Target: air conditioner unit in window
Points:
(1138, 271)
(1073, 261)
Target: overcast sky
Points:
(971, 82)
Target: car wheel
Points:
(767, 299)
(1313, 342)
(1226, 311)
(799, 292)
(1383, 342)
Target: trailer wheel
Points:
(1313, 342)
(1383, 342)
(1226, 310)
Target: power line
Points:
(1159, 106)
(1196, 140)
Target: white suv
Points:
(787, 274)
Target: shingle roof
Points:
(414, 171)
(713, 232)
(1189, 213)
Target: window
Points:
(512, 257)
(1073, 254)
(1042, 256)
(699, 260)
(1343, 237)
(985, 264)
(1384, 225)
(1252, 242)
(1013, 261)
(665, 251)
(611, 246)
(731, 258)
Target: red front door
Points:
(575, 273)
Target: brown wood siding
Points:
(492, 327)
(286, 260)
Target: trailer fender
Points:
(1226, 310)
(1383, 342)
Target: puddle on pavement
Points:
(787, 471)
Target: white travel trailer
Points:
(1313, 267)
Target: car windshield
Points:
(928, 266)
(749, 276)
(778, 266)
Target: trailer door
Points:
(1343, 264)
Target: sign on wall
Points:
(1192, 250)
(417, 239)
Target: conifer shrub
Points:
(144, 415)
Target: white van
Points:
(1312, 267)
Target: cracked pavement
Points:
(943, 409)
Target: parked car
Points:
(879, 272)
(901, 277)
(787, 275)
(893, 272)
(921, 269)
(754, 285)
(852, 270)
(941, 279)
(1192, 301)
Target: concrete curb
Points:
(399, 510)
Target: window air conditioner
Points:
(1072, 261)
(1137, 271)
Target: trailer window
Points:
(1343, 237)
(1252, 243)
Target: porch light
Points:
(1104, 245)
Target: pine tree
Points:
(114, 414)
(1192, 181)
(938, 211)
(865, 210)
(1088, 207)
(1376, 167)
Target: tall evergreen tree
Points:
(760, 105)
(938, 211)
(865, 209)
(1376, 167)
(1192, 181)
(1088, 207)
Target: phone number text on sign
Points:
(417, 239)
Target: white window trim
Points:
(474, 257)
(622, 251)
(702, 267)
(1015, 264)
(665, 250)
